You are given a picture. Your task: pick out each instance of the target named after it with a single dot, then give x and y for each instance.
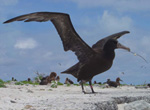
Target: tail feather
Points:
(72, 70)
(72, 73)
(63, 72)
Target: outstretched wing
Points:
(100, 44)
(71, 40)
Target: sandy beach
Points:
(44, 97)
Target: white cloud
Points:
(26, 44)
(48, 55)
(52, 56)
(8, 2)
(112, 23)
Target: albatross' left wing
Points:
(71, 40)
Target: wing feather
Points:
(71, 40)
(100, 44)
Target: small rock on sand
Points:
(137, 105)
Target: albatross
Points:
(92, 60)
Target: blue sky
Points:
(29, 47)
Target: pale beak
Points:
(121, 80)
(122, 47)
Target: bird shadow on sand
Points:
(95, 93)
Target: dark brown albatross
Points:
(92, 61)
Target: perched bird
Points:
(57, 79)
(99, 83)
(92, 60)
(52, 76)
(68, 81)
(44, 81)
(29, 79)
(48, 79)
(113, 83)
(12, 78)
(118, 81)
(95, 82)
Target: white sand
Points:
(29, 97)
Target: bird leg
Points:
(90, 83)
(82, 87)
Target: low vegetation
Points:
(2, 83)
(53, 84)
(59, 83)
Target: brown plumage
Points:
(114, 83)
(48, 79)
(29, 79)
(95, 82)
(52, 76)
(44, 81)
(118, 81)
(92, 60)
(68, 81)
(12, 78)
(57, 79)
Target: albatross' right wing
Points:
(100, 44)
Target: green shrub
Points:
(53, 84)
(27, 82)
(59, 83)
(8, 81)
(86, 84)
(76, 84)
(68, 85)
(39, 76)
(19, 83)
(2, 83)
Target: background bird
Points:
(92, 60)
(68, 81)
(114, 83)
